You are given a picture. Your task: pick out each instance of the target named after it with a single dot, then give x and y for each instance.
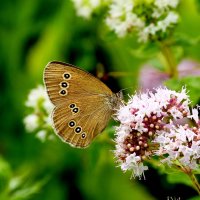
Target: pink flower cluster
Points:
(155, 124)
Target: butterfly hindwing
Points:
(80, 128)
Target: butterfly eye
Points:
(75, 110)
(63, 92)
(72, 124)
(78, 129)
(72, 105)
(64, 84)
(67, 76)
(83, 135)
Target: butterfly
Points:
(83, 104)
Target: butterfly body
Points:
(83, 104)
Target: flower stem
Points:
(192, 178)
(195, 182)
(169, 59)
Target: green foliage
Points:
(32, 34)
(194, 198)
(179, 178)
(198, 4)
(144, 51)
(192, 85)
(5, 175)
(185, 40)
(20, 185)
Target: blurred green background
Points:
(32, 33)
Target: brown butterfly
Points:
(83, 104)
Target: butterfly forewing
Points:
(82, 103)
(64, 82)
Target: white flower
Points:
(85, 8)
(121, 18)
(157, 12)
(48, 106)
(181, 144)
(36, 95)
(168, 21)
(163, 4)
(119, 7)
(41, 135)
(127, 16)
(31, 122)
(161, 25)
(39, 96)
(48, 120)
(124, 115)
(40, 117)
(195, 115)
(133, 163)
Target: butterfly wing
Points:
(81, 128)
(65, 81)
(82, 103)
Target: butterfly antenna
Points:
(125, 89)
(121, 91)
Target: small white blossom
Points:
(121, 18)
(41, 135)
(148, 19)
(168, 21)
(179, 144)
(85, 8)
(195, 115)
(157, 12)
(163, 4)
(161, 26)
(40, 117)
(36, 95)
(31, 122)
(48, 120)
(48, 106)
(133, 163)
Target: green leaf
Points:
(191, 83)
(195, 198)
(196, 171)
(147, 50)
(5, 174)
(179, 178)
(185, 40)
(198, 4)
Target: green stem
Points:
(169, 59)
(195, 182)
(192, 178)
